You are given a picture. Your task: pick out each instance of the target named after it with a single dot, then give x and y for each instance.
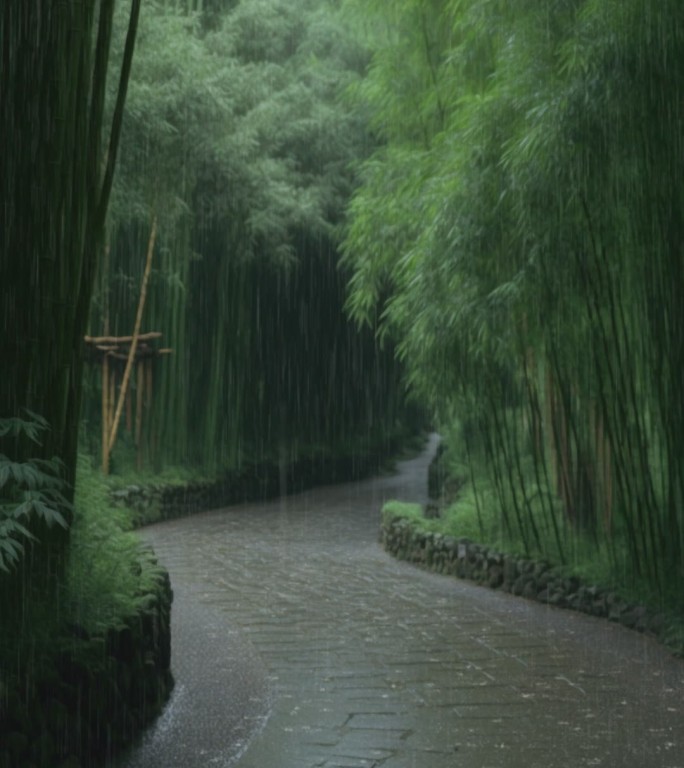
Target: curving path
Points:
(298, 643)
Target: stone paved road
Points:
(298, 643)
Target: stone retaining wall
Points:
(94, 694)
(154, 502)
(536, 580)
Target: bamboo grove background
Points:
(520, 233)
(237, 143)
(502, 178)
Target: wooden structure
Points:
(135, 350)
(118, 357)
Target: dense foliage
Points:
(58, 165)
(60, 150)
(519, 232)
(502, 177)
(233, 154)
(237, 142)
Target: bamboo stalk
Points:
(111, 400)
(105, 414)
(140, 383)
(148, 383)
(136, 332)
(151, 440)
(604, 472)
(129, 412)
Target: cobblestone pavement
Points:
(298, 643)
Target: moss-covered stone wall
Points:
(154, 502)
(90, 695)
(536, 580)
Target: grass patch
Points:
(392, 510)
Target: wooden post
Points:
(111, 403)
(136, 332)
(105, 413)
(105, 369)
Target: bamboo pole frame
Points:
(150, 336)
(134, 338)
(137, 396)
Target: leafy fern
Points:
(29, 490)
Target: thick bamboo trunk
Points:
(53, 202)
(604, 471)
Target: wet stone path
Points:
(298, 643)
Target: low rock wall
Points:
(95, 694)
(536, 580)
(151, 503)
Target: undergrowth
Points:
(604, 562)
(125, 472)
(110, 573)
(107, 578)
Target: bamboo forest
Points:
(252, 246)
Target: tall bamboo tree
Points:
(528, 263)
(58, 168)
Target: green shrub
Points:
(393, 509)
(31, 490)
(109, 572)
